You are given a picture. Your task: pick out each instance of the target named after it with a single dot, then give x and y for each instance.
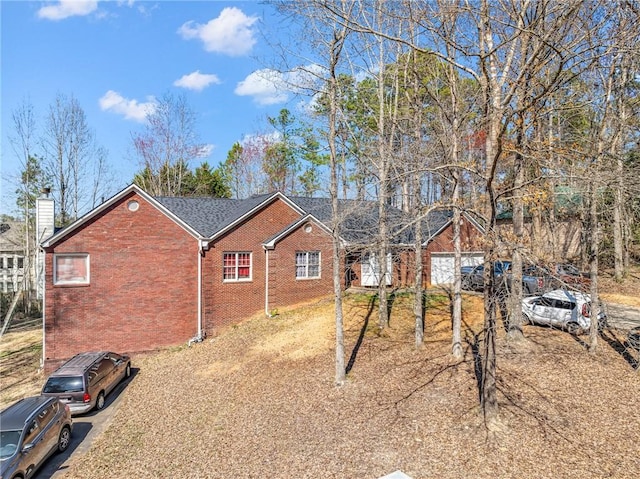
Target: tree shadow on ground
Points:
(354, 352)
(621, 346)
(474, 345)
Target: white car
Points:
(570, 310)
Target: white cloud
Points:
(67, 8)
(197, 81)
(131, 109)
(231, 33)
(260, 138)
(267, 87)
(206, 150)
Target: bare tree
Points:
(167, 146)
(329, 37)
(336, 46)
(23, 142)
(624, 56)
(74, 161)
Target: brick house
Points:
(138, 273)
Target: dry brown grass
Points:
(259, 401)
(20, 352)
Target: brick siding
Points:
(143, 285)
(284, 288)
(227, 302)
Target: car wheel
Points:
(127, 371)
(525, 319)
(100, 401)
(64, 439)
(573, 328)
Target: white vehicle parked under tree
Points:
(570, 310)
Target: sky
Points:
(117, 58)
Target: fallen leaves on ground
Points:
(259, 400)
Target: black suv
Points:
(30, 431)
(84, 380)
(474, 279)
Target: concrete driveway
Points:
(622, 316)
(85, 429)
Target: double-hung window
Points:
(307, 264)
(236, 266)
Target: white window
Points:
(307, 264)
(71, 269)
(236, 266)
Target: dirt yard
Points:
(259, 401)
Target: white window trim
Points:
(306, 265)
(59, 282)
(237, 279)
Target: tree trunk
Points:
(338, 258)
(419, 293)
(593, 263)
(514, 327)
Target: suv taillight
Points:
(540, 283)
(86, 397)
(586, 310)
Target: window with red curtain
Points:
(236, 266)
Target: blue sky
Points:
(117, 57)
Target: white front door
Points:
(371, 270)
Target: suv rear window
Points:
(64, 384)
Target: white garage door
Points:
(442, 265)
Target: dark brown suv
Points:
(84, 381)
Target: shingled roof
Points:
(360, 219)
(210, 215)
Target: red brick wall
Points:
(143, 285)
(284, 288)
(225, 303)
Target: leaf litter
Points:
(259, 400)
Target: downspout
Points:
(267, 248)
(266, 283)
(202, 247)
(200, 255)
